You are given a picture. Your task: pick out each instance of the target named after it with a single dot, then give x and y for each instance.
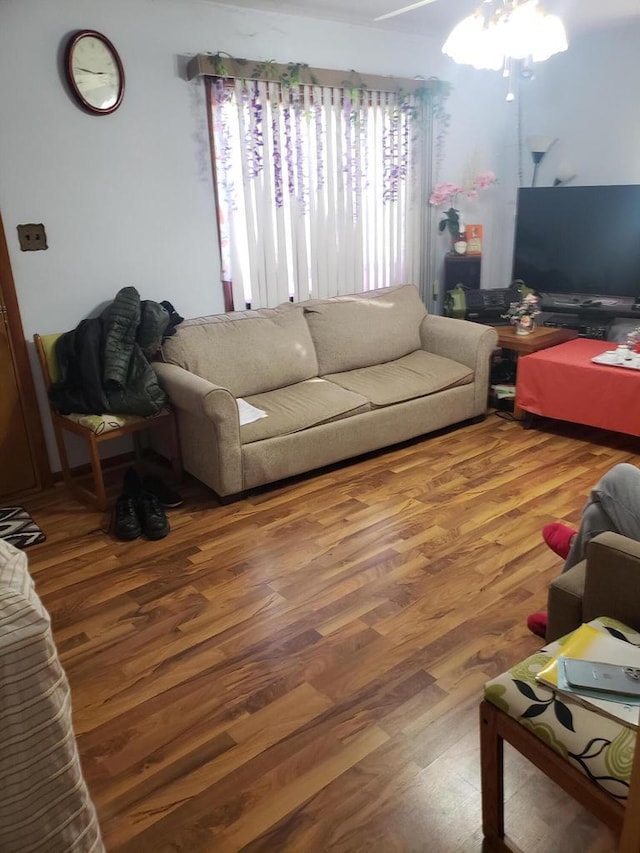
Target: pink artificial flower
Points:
(444, 192)
(484, 180)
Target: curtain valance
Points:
(221, 65)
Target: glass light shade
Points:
(564, 173)
(471, 43)
(552, 39)
(522, 30)
(540, 144)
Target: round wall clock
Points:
(94, 72)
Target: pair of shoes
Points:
(134, 516)
(137, 511)
(537, 624)
(167, 496)
(558, 537)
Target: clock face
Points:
(95, 72)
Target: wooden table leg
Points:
(518, 413)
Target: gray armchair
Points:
(606, 583)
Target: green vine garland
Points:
(430, 98)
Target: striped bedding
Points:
(44, 802)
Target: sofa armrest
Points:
(612, 579)
(198, 396)
(468, 343)
(564, 602)
(607, 583)
(208, 426)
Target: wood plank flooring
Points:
(301, 670)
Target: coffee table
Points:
(563, 383)
(541, 338)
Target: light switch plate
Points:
(32, 237)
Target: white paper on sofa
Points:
(248, 413)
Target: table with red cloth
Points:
(562, 382)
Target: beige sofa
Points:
(336, 378)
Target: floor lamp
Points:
(538, 145)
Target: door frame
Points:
(22, 365)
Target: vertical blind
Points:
(320, 190)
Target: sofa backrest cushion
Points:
(365, 329)
(249, 352)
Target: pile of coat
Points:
(104, 363)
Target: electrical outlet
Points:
(32, 237)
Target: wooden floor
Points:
(301, 670)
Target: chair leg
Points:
(492, 774)
(174, 448)
(62, 453)
(98, 479)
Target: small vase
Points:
(525, 326)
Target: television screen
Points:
(579, 240)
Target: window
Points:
(321, 190)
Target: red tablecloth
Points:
(562, 382)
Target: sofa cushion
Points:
(359, 331)
(415, 375)
(299, 407)
(257, 351)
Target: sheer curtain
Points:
(320, 191)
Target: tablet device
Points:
(605, 677)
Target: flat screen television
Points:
(579, 241)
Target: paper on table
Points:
(248, 413)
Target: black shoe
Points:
(125, 524)
(153, 519)
(167, 496)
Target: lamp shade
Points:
(540, 144)
(564, 173)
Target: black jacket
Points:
(103, 364)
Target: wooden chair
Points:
(500, 721)
(98, 428)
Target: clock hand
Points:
(89, 71)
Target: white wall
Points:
(126, 199)
(587, 100)
(482, 137)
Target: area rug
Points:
(18, 528)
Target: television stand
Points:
(594, 326)
(586, 305)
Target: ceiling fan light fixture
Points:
(552, 38)
(472, 43)
(500, 31)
